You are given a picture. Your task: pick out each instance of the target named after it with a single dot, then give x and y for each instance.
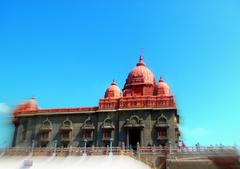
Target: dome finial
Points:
(161, 79)
(114, 82)
(140, 62)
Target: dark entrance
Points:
(134, 137)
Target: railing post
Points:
(93, 149)
(159, 149)
(110, 150)
(130, 148)
(107, 151)
(32, 147)
(170, 147)
(138, 150)
(70, 150)
(123, 146)
(85, 147)
(153, 148)
(55, 147)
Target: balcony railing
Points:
(88, 138)
(106, 138)
(150, 150)
(44, 139)
(66, 139)
(66, 128)
(162, 138)
(45, 129)
(162, 125)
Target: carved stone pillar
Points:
(127, 137)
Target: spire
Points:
(161, 79)
(140, 62)
(114, 82)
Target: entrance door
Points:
(134, 137)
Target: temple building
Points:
(142, 113)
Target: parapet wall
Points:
(155, 157)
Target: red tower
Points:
(140, 90)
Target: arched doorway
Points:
(134, 128)
(134, 137)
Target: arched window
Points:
(88, 129)
(108, 129)
(162, 128)
(66, 132)
(45, 131)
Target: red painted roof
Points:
(113, 91)
(163, 89)
(140, 75)
(140, 91)
(30, 105)
(51, 110)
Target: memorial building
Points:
(142, 113)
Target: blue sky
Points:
(66, 53)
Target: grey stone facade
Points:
(145, 126)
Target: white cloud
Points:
(4, 108)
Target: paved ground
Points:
(71, 162)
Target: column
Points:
(127, 137)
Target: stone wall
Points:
(29, 127)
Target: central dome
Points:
(140, 75)
(140, 81)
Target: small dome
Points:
(163, 89)
(140, 75)
(113, 91)
(31, 104)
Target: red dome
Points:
(140, 75)
(113, 91)
(163, 89)
(31, 104)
